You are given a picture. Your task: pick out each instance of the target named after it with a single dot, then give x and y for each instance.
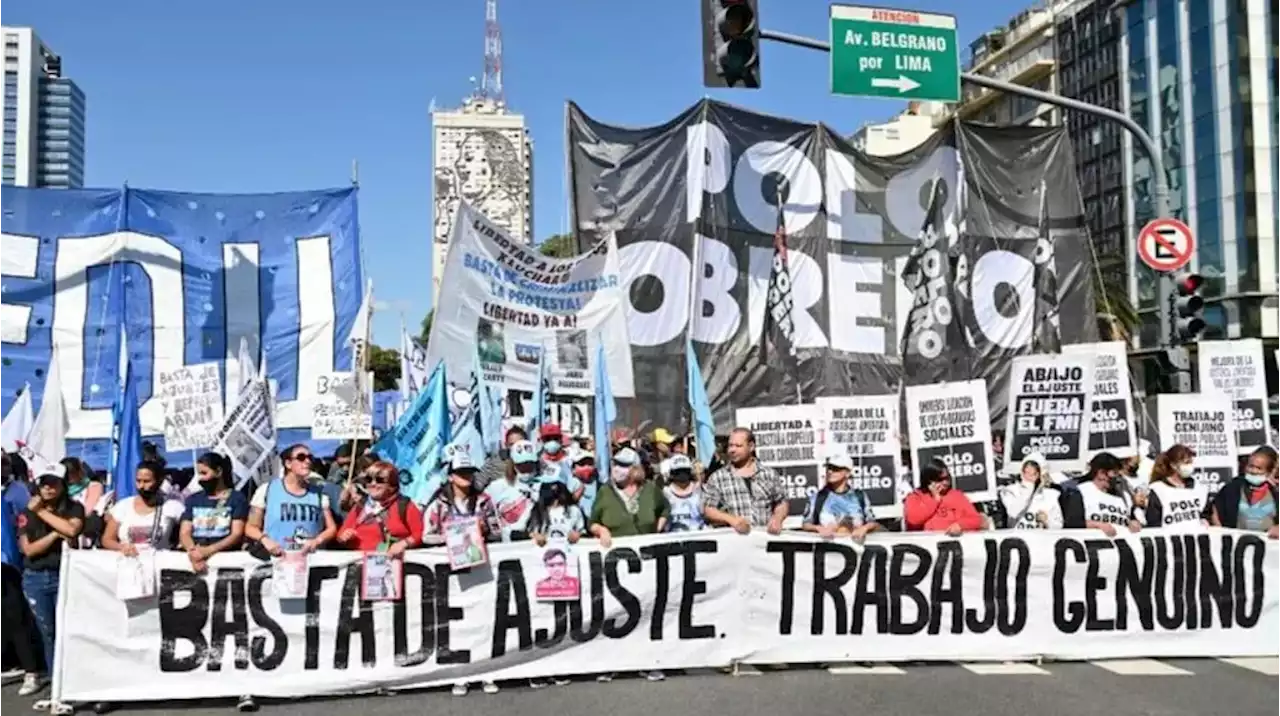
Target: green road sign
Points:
(897, 54)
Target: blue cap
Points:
(523, 452)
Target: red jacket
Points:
(369, 527)
(922, 512)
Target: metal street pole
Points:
(1160, 192)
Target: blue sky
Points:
(240, 96)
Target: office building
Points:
(481, 154)
(1024, 53)
(44, 116)
(1088, 69)
(901, 134)
(1200, 76)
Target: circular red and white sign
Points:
(1166, 244)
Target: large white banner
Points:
(693, 600)
(503, 298)
(1236, 369)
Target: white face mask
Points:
(1186, 470)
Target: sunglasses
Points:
(379, 481)
(304, 457)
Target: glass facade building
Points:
(44, 116)
(1200, 76)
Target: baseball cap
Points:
(462, 462)
(626, 457)
(839, 460)
(677, 462)
(1037, 458)
(583, 455)
(550, 430)
(523, 452)
(662, 435)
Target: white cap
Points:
(462, 462)
(839, 459)
(580, 455)
(1038, 458)
(676, 462)
(626, 457)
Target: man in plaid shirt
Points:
(744, 494)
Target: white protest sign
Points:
(1050, 401)
(192, 399)
(866, 426)
(1204, 422)
(248, 435)
(1112, 428)
(951, 423)
(340, 414)
(789, 440)
(1235, 369)
(690, 600)
(504, 299)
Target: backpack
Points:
(821, 499)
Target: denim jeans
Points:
(41, 588)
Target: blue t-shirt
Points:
(291, 519)
(9, 534)
(211, 519)
(17, 495)
(838, 507)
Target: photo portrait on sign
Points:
(1050, 401)
(1235, 369)
(866, 426)
(1111, 428)
(789, 440)
(1204, 422)
(951, 423)
(558, 579)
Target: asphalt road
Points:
(1191, 687)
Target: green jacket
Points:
(609, 510)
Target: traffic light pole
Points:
(1160, 193)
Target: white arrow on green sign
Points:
(898, 54)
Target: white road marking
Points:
(1011, 668)
(1140, 667)
(1268, 665)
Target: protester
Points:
(1249, 501)
(584, 473)
(553, 447)
(1174, 497)
(20, 634)
(147, 519)
(744, 493)
(91, 495)
(215, 517)
(293, 513)
(556, 516)
(340, 469)
(385, 520)
(838, 509)
(460, 497)
(683, 494)
(494, 468)
(1032, 503)
(52, 519)
(514, 494)
(631, 505)
(1100, 500)
(936, 507)
(663, 444)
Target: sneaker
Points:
(561, 680)
(537, 684)
(604, 678)
(489, 687)
(246, 704)
(31, 683)
(655, 676)
(61, 708)
(459, 690)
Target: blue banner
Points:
(200, 272)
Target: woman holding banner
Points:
(1174, 497)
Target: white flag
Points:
(18, 423)
(248, 366)
(47, 442)
(359, 340)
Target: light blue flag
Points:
(540, 412)
(468, 430)
(489, 410)
(606, 411)
(128, 427)
(704, 425)
(416, 443)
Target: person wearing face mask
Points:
(630, 505)
(936, 507)
(839, 509)
(1249, 501)
(584, 473)
(683, 495)
(146, 520)
(495, 467)
(552, 438)
(1032, 503)
(514, 493)
(1101, 499)
(1174, 498)
(215, 517)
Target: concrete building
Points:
(903, 133)
(1200, 75)
(483, 154)
(44, 116)
(1023, 52)
(1088, 69)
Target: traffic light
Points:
(1188, 308)
(730, 44)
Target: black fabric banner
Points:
(702, 189)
